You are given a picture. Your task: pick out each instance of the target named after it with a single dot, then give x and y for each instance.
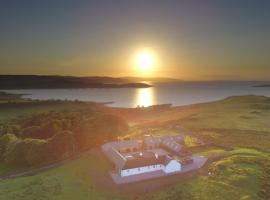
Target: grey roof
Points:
(141, 159)
(176, 138)
(153, 140)
(117, 158)
(172, 145)
(119, 145)
(159, 140)
(159, 151)
(135, 159)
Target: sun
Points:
(145, 59)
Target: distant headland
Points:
(62, 82)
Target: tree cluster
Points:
(52, 136)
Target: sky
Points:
(191, 39)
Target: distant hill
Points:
(264, 85)
(151, 79)
(7, 96)
(51, 82)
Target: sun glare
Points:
(144, 97)
(145, 59)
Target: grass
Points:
(73, 180)
(233, 114)
(230, 179)
(235, 121)
(6, 169)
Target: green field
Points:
(70, 181)
(242, 171)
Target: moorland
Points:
(234, 133)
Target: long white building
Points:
(146, 161)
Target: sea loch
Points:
(177, 94)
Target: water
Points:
(178, 94)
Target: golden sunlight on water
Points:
(144, 97)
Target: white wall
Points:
(140, 170)
(172, 166)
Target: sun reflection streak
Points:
(144, 97)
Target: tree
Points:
(62, 145)
(31, 132)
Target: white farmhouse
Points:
(139, 162)
(146, 161)
(152, 157)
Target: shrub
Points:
(5, 140)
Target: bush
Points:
(5, 140)
(14, 153)
(36, 152)
(26, 152)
